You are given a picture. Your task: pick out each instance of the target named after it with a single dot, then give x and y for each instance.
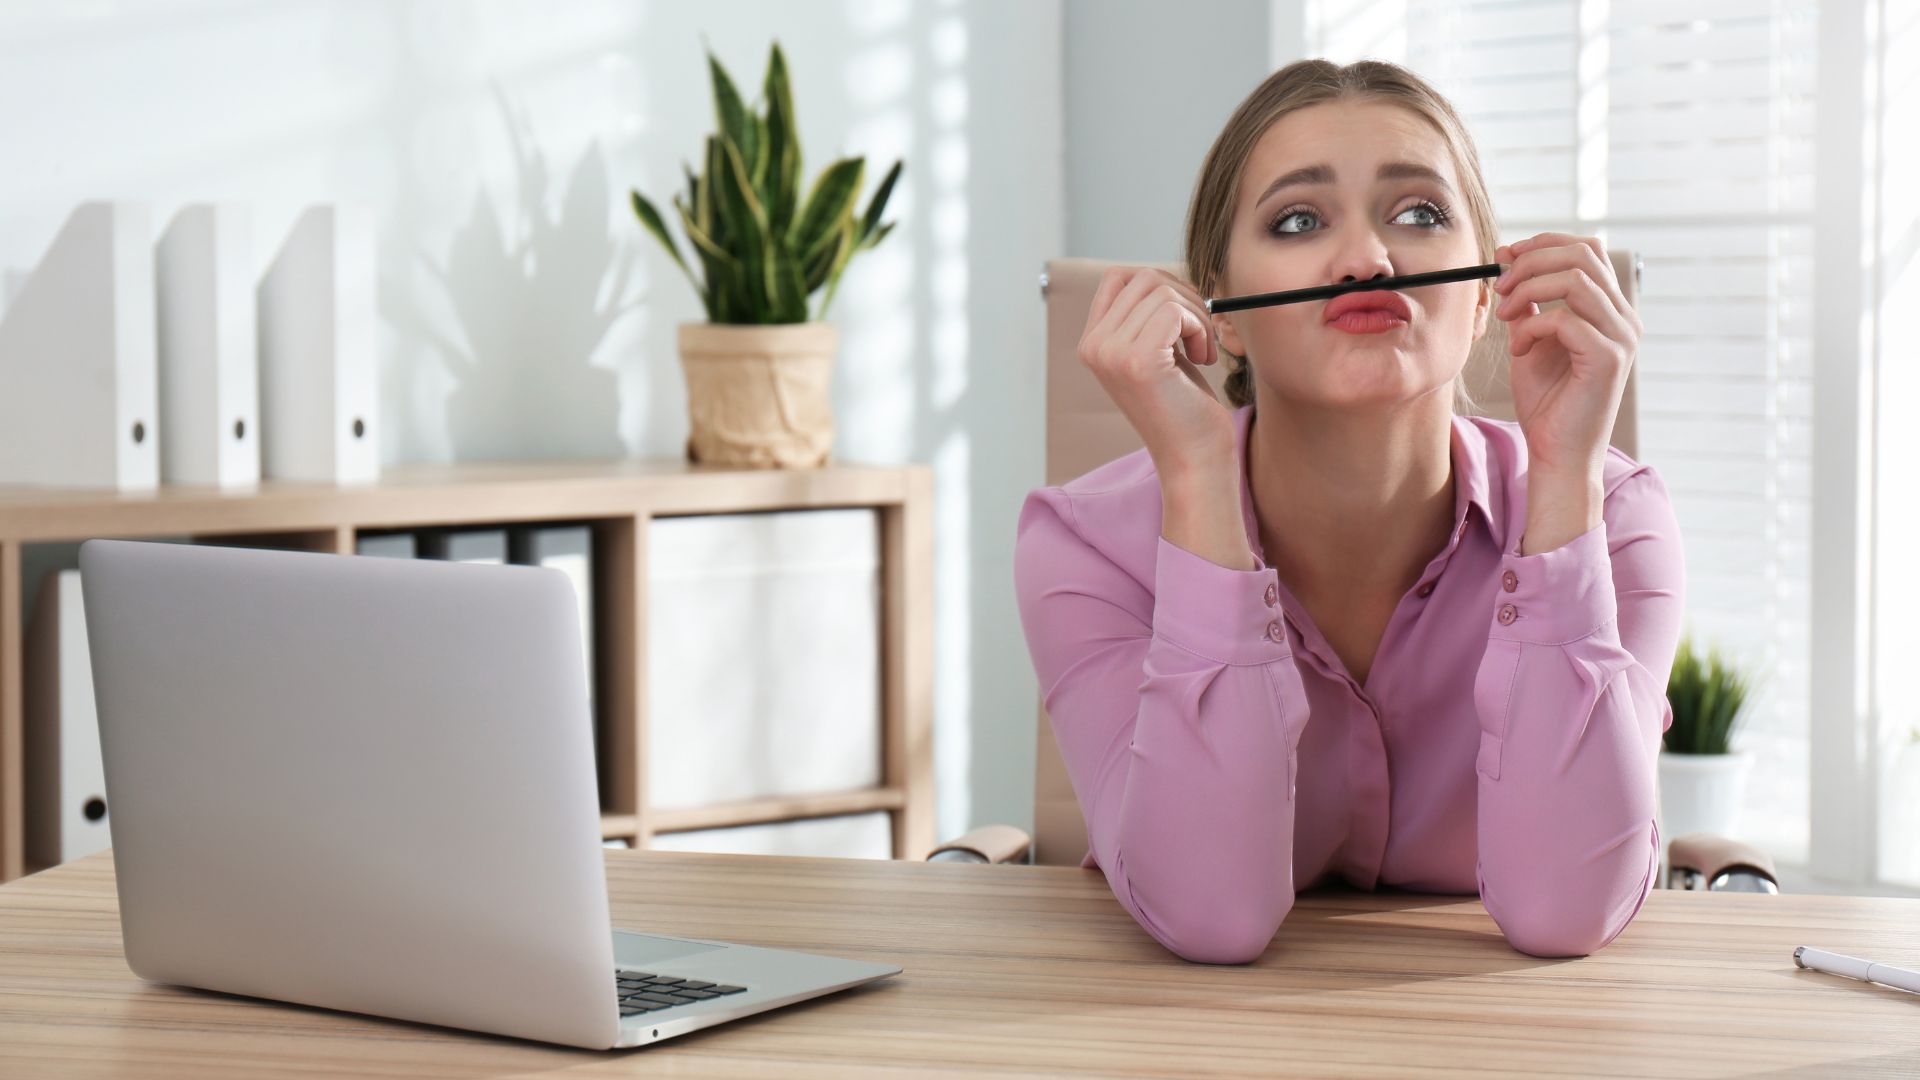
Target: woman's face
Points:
(1316, 208)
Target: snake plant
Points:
(762, 249)
(1706, 693)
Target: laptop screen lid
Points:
(357, 783)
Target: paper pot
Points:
(759, 396)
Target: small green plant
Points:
(763, 251)
(1706, 693)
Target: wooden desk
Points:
(1036, 970)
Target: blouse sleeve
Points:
(1178, 710)
(1571, 695)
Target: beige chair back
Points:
(1085, 430)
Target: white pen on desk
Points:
(1855, 968)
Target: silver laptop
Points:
(368, 784)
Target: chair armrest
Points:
(986, 844)
(1710, 861)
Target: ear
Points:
(1483, 308)
(1227, 335)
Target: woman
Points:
(1333, 627)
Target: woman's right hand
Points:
(1141, 323)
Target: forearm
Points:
(1566, 795)
(1571, 697)
(1194, 822)
(1179, 721)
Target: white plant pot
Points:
(1899, 808)
(1702, 793)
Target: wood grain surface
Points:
(1023, 970)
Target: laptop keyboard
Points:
(644, 992)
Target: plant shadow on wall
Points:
(534, 299)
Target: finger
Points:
(1180, 360)
(1580, 292)
(1135, 282)
(1190, 298)
(1186, 288)
(1193, 373)
(1124, 307)
(1111, 283)
(1168, 323)
(1147, 310)
(1547, 240)
(1184, 293)
(1560, 324)
(1200, 308)
(1515, 252)
(1558, 239)
(1545, 260)
(1196, 335)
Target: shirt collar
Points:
(1470, 470)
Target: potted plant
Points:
(759, 370)
(1702, 778)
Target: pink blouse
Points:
(1504, 742)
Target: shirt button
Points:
(1426, 590)
(1508, 613)
(1509, 581)
(1273, 595)
(1275, 634)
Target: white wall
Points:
(1148, 86)
(525, 314)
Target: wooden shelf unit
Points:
(618, 499)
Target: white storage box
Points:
(852, 836)
(763, 655)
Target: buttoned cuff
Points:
(1559, 596)
(1226, 615)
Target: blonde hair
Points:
(1296, 86)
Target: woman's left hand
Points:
(1569, 363)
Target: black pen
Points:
(1221, 304)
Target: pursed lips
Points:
(1370, 312)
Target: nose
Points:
(1362, 258)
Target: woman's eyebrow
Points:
(1323, 174)
(1413, 170)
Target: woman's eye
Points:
(1434, 217)
(1295, 222)
(1280, 224)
